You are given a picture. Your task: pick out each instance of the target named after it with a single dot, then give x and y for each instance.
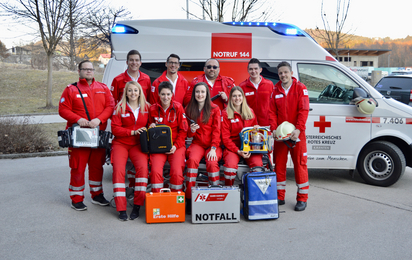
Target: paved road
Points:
(41, 119)
(345, 219)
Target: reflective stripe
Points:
(96, 183)
(216, 182)
(76, 188)
(281, 183)
(261, 216)
(229, 169)
(303, 185)
(176, 187)
(80, 193)
(191, 170)
(140, 188)
(157, 185)
(95, 188)
(119, 185)
(144, 180)
(120, 194)
(229, 177)
(192, 179)
(306, 191)
(213, 174)
(263, 202)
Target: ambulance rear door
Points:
(335, 130)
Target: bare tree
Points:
(335, 38)
(51, 19)
(240, 10)
(3, 51)
(100, 23)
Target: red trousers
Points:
(232, 159)
(120, 154)
(299, 158)
(194, 154)
(177, 165)
(78, 159)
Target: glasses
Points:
(173, 63)
(87, 69)
(210, 67)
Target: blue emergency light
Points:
(279, 28)
(124, 29)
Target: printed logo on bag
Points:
(263, 184)
(156, 212)
(180, 199)
(204, 197)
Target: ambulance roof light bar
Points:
(279, 28)
(124, 29)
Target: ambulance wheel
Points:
(381, 163)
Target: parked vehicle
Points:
(378, 145)
(398, 87)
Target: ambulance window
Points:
(326, 84)
(270, 71)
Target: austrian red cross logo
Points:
(322, 124)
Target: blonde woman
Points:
(129, 120)
(235, 117)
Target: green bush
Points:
(18, 136)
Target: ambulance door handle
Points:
(310, 109)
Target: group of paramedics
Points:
(134, 104)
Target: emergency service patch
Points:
(111, 88)
(263, 184)
(62, 100)
(234, 120)
(249, 93)
(305, 92)
(153, 88)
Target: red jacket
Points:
(293, 108)
(99, 103)
(174, 118)
(231, 129)
(259, 99)
(119, 82)
(124, 123)
(208, 135)
(222, 83)
(180, 91)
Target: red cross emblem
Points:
(322, 124)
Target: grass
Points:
(23, 90)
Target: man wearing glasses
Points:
(218, 85)
(172, 75)
(133, 61)
(96, 97)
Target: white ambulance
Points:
(338, 135)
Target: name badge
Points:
(126, 115)
(84, 95)
(279, 96)
(249, 93)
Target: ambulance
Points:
(339, 136)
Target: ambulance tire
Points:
(381, 163)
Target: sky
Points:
(369, 18)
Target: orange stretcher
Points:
(165, 206)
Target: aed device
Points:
(256, 141)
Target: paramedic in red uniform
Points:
(206, 138)
(168, 112)
(235, 117)
(257, 92)
(100, 104)
(133, 73)
(179, 83)
(218, 85)
(129, 120)
(290, 102)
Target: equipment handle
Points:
(215, 186)
(165, 190)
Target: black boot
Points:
(135, 212)
(122, 216)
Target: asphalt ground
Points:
(345, 219)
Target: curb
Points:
(29, 155)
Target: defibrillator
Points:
(256, 140)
